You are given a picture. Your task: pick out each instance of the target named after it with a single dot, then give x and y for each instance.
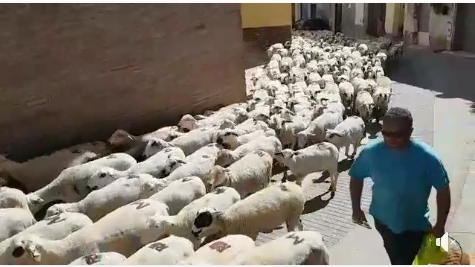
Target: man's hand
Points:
(438, 230)
(359, 217)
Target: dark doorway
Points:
(376, 15)
(338, 17)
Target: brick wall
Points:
(72, 73)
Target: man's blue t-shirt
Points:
(402, 183)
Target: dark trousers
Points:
(402, 248)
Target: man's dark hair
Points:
(399, 114)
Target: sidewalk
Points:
(445, 122)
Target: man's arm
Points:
(440, 181)
(356, 188)
(443, 205)
(358, 171)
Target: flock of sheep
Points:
(200, 192)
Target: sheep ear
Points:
(34, 253)
(181, 161)
(36, 200)
(199, 117)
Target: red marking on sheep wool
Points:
(219, 246)
(93, 258)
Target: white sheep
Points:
(230, 139)
(101, 202)
(118, 231)
(296, 248)
(101, 258)
(161, 164)
(381, 98)
(13, 221)
(189, 123)
(221, 251)
(209, 150)
(315, 158)
(349, 132)
(168, 251)
(262, 211)
(180, 193)
(383, 81)
(364, 105)
(285, 64)
(360, 84)
(247, 175)
(153, 146)
(53, 228)
(334, 106)
(288, 130)
(347, 92)
(196, 139)
(249, 126)
(181, 224)
(166, 133)
(269, 144)
(199, 167)
(12, 198)
(316, 130)
(70, 185)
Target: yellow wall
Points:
(394, 17)
(266, 15)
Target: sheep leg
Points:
(299, 179)
(355, 147)
(347, 150)
(294, 222)
(334, 180)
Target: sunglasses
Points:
(398, 134)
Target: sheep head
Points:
(158, 226)
(101, 178)
(334, 137)
(172, 163)
(228, 139)
(155, 145)
(121, 140)
(153, 186)
(283, 156)
(207, 222)
(187, 123)
(224, 158)
(216, 177)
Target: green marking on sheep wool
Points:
(54, 219)
(158, 246)
(93, 258)
(297, 240)
(219, 246)
(140, 204)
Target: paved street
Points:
(438, 89)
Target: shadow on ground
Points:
(317, 203)
(448, 74)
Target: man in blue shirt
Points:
(403, 171)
